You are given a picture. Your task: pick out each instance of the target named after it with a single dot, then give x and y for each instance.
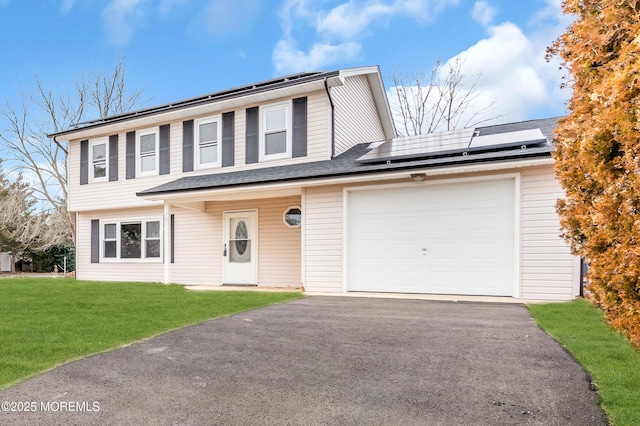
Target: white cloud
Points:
(340, 29)
(348, 20)
(288, 58)
(121, 17)
(224, 17)
(515, 75)
(483, 12)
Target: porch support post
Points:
(167, 243)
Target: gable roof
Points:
(291, 85)
(346, 164)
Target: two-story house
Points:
(301, 180)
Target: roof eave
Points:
(221, 100)
(462, 164)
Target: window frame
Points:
(139, 134)
(196, 141)
(264, 109)
(144, 258)
(92, 144)
(284, 217)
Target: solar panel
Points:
(420, 146)
(507, 140)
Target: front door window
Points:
(240, 243)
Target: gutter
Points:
(333, 119)
(454, 167)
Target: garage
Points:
(453, 237)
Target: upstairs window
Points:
(147, 152)
(208, 136)
(99, 156)
(275, 135)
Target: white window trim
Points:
(92, 143)
(205, 120)
(153, 131)
(143, 248)
(289, 130)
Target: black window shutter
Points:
(131, 155)
(95, 241)
(84, 162)
(113, 158)
(252, 140)
(165, 154)
(228, 143)
(172, 229)
(299, 136)
(187, 146)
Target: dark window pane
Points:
(153, 229)
(99, 170)
(109, 249)
(293, 217)
(153, 248)
(275, 143)
(130, 240)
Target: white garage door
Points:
(449, 238)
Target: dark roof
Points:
(259, 87)
(546, 125)
(346, 165)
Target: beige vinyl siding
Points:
(197, 248)
(547, 266)
(278, 245)
(323, 239)
(122, 193)
(198, 245)
(147, 271)
(356, 116)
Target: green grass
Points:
(611, 361)
(46, 322)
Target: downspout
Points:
(333, 120)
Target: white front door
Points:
(240, 247)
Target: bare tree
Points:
(443, 100)
(50, 110)
(22, 228)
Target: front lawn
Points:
(46, 322)
(608, 357)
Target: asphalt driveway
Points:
(329, 361)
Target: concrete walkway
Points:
(327, 361)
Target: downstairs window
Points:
(132, 239)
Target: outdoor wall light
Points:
(417, 177)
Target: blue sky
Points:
(177, 49)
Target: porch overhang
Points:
(194, 199)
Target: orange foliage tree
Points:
(598, 153)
